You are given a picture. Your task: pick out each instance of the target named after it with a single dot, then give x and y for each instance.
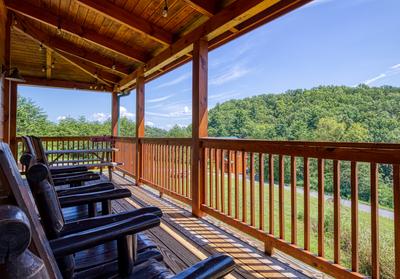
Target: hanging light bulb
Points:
(53, 65)
(41, 47)
(113, 67)
(165, 9)
(43, 69)
(59, 29)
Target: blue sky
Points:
(328, 42)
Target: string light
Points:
(43, 69)
(165, 9)
(41, 47)
(113, 67)
(53, 65)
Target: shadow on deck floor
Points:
(183, 240)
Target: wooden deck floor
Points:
(184, 240)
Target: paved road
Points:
(362, 207)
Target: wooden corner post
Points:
(6, 83)
(114, 113)
(199, 123)
(13, 118)
(140, 81)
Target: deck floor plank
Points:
(203, 238)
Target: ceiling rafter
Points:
(101, 76)
(65, 46)
(49, 63)
(207, 8)
(45, 16)
(128, 20)
(229, 17)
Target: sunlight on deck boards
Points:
(184, 240)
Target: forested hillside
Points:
(334, 113)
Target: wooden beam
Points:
(207, 8)
(199, 123)
(97, 73)
(6, 85)
(60, 44)
(65, 24)
(48, 63)
(127, 19)
(13, 118)
(229, 17)
(93, 71)
(140, 89)
(114, 114)
(65, 84)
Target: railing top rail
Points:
(167, 141)
(362, 152)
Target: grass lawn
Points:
(386, 226)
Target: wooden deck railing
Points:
(166, 166)
(126, 154)
(264, 189)
(67, 143)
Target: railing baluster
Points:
(229, 184)
(374, 221)
(281, 197)
(217, 193)
(210, 174)
(354, 217)
(244, 187)
(222, 180)
(293, 197)
(306, 203)
(336, 211)
(321, 207)
(236, 185)
(396, 197)
(183, 170)
(271, 193)
(252, 192)
(261, 189)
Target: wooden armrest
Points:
(74, 243)
(216, 266)
(79, 199)
(94, 222)
(85, 189)
(67, 169)
(76, 178)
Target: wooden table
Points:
(103, 156)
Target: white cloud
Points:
(61, 117)
(175, 81)
(123, 112)
(232, 74)
(183, 112)
(149, 123)
(397, 66)
(101, 116)
(157, 100)
(371, 80)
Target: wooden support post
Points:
(199, 123)
(114, 121)
(6, 84)
(114, 114)
(13, 118)
(140, 81)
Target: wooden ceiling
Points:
(100, 45)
